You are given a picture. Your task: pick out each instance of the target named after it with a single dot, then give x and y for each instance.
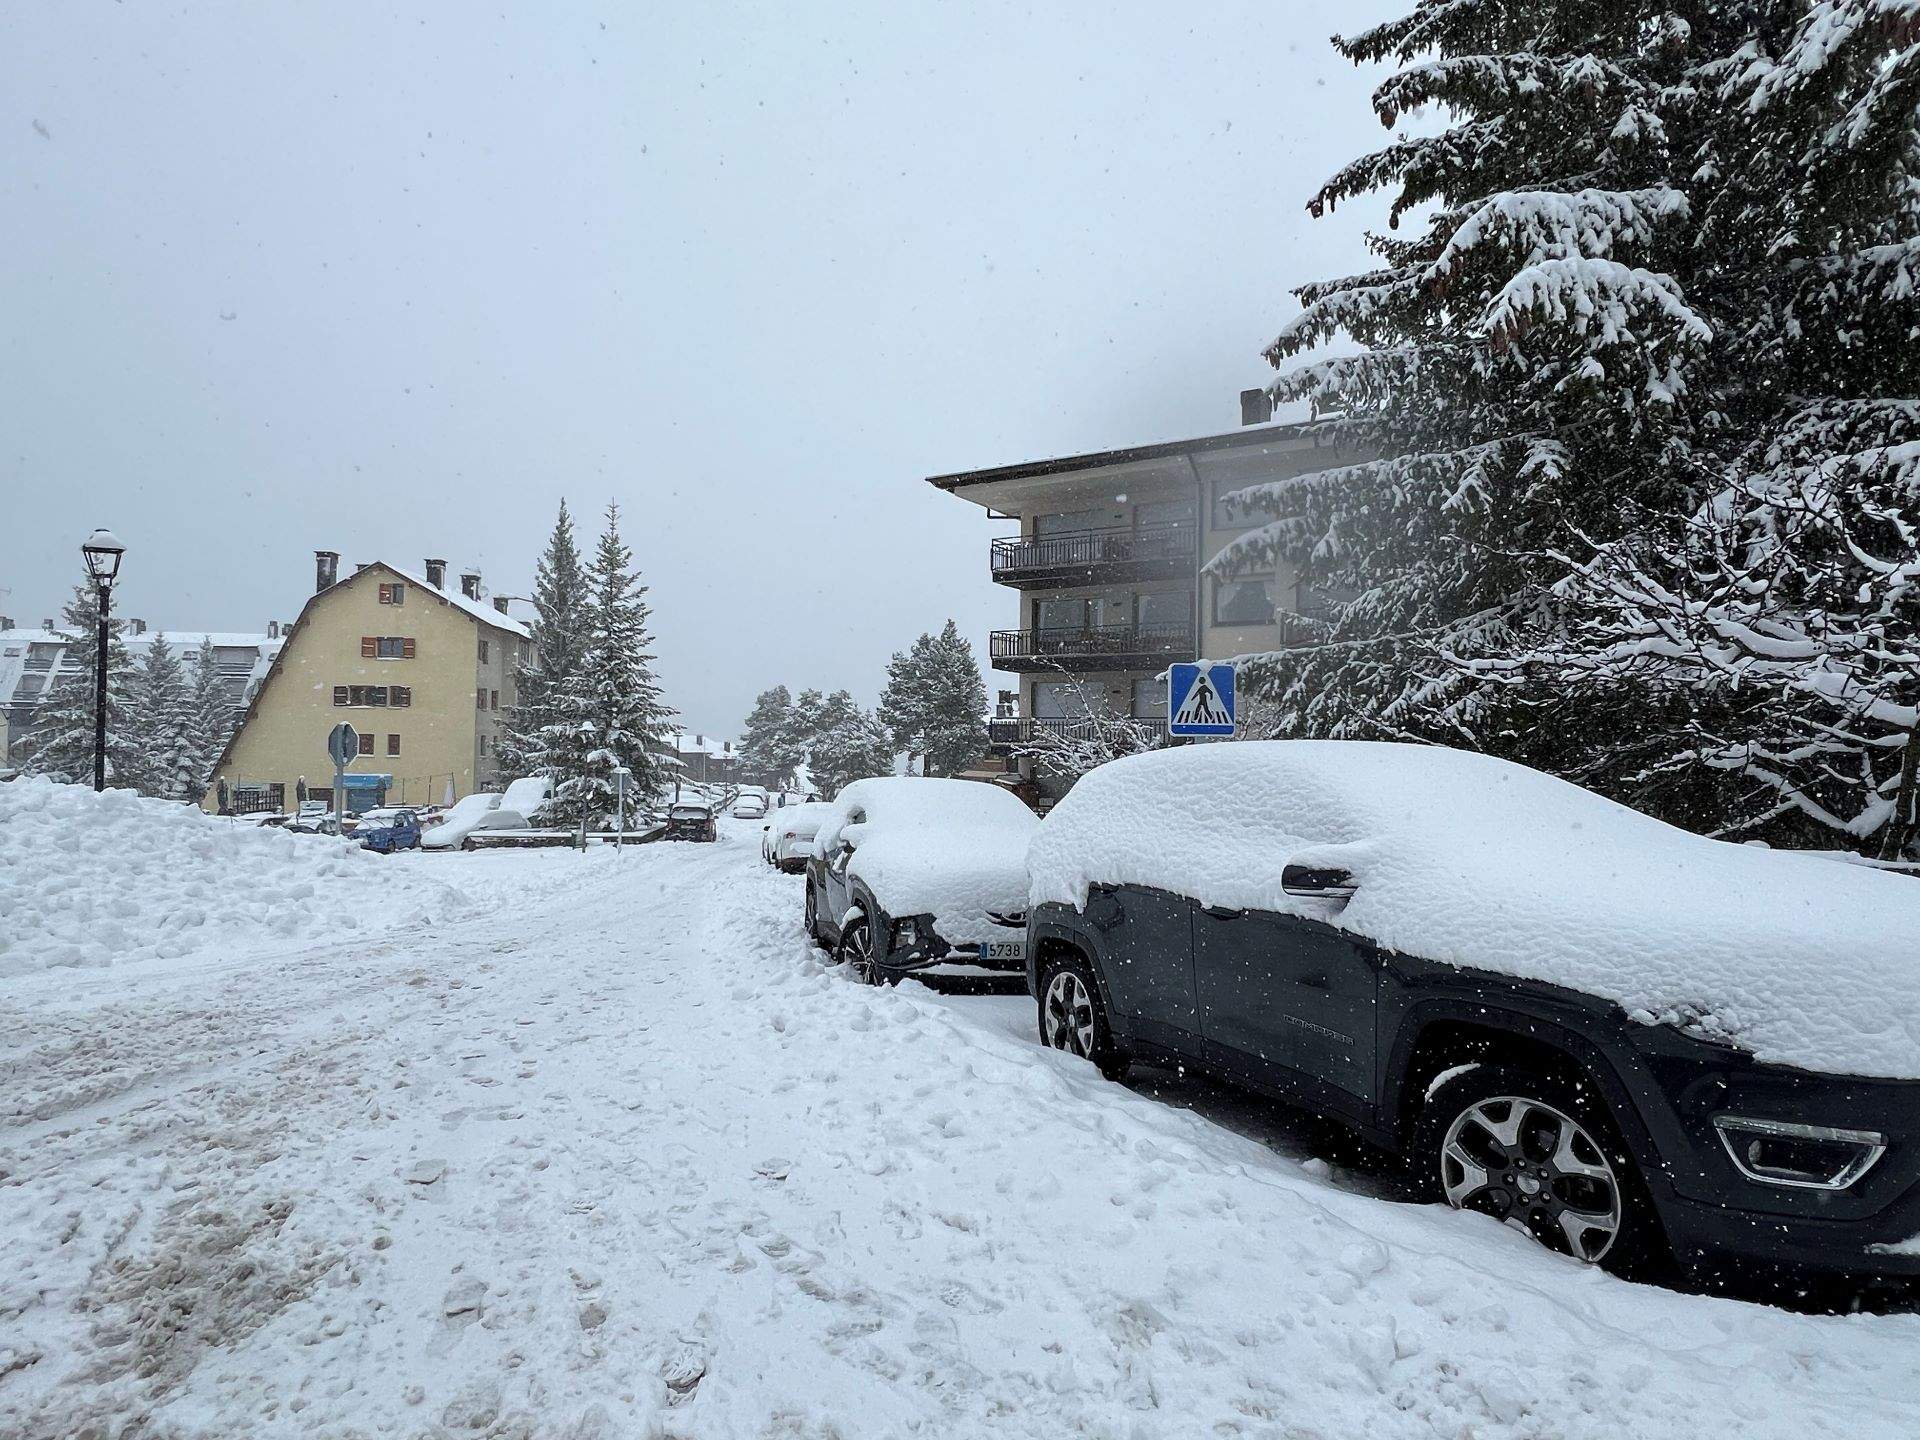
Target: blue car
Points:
(386, 831)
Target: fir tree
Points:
(559, 645)
(611, 713)
(210, 722)
(161, 720)
(62, 741)
(765, 746)
(852, 745)
(935, 702)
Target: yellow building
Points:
(423, 673)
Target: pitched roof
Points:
(478, 609)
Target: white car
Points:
(907, 873)
(787, 838)
(749, 806)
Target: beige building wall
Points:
(438, 735)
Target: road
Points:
(621, 1157)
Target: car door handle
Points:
(1224, 912)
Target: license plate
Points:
(1004, 950)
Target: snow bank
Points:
(89, 879)
(1477, 862)
(952, 849)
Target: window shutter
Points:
(386, 594)
(339, 694)
(406, 648)
(403, 695)
(399, 593)
(479, 699)
(393, 744)
(369, 647)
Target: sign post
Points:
(343, 745)
(621, 775)
(1202, 699)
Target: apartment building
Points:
(1109, 565)
(424, 673)
(31, 660)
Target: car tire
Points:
(1073, 1017)
(855, 951)
(1569, 1181)
(812, 920)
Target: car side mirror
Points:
(1313, 882)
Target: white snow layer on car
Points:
(97, 879)
(468, 813)
(1480, 863)
(952, 849)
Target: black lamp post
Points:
(102, 551)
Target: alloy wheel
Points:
(858, 951)
(1537, 1169)
(1069, 1014)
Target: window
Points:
(394, 594)
(361, 695)
(526, 652)
(1153, 513)
(341, 694)
(1063, 700)
(480, 699)
(493, 700)
(393, 744)
(321, 793)
(1243, 600)
(1166, 612)
(386, 647)
(483, 747)
(483, 649)
(400, 695)
(366, 743)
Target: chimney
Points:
(500, 603)
(437, 574)
(273, 629)
(6, 622)
(1256, 407)
(362, 565)
(47, 625)
(137, 625)
(326, 569)
(470, 584)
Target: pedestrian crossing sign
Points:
(1201, 700)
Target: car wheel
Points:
(1543, 1156)
(1073, 1017)
(813, 919)
(856, 953)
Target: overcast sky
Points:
(394, 279)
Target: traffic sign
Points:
(343, 745)
(1201, 700)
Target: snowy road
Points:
(618, 1157)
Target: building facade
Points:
(1109, 567)
(424, 673)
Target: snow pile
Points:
(89, 879)
(1476, 862)
(952, 849)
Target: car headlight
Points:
(1804, 1157)
(906, 934)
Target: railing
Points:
(1021, 729)
(1092, 642)
(1082, 549)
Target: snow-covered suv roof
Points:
(1801, 959)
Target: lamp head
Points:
(103, 550)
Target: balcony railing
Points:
(1003, 733)
(1033, 649)
(1075, 552)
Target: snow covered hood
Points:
(952, 849)
(1799, 959)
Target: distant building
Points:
(1109, 567)
(704, 758)
(422, 672)
(30, 661)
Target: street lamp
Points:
(102, 550)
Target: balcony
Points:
(1004, 734)
(1093, 647)
(1093, 557)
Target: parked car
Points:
(749, 806)
(688, 821)
(386, 831)
(907, 873)
(1619, 1038)
(787, 838)
(322, 824)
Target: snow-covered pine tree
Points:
(161, 719)
(559, 644)
(61, 742)
(1775, 624)
(853, 745)
(764, 748)
(210, 721)
(935, 702)
(1526, 356)
(616, 695)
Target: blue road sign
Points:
(1201, 700)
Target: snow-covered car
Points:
(469, 813)
(906, 873)
(690, 821)
(385, 831)
(1622, 1039)
(787, 838)
(322, 824)
(749, 806)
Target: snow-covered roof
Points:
(478, 609)
(688, 743)
(1476, 862)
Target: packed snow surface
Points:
(952, 849)
(95, 879)
(1477, 862)
(622, 1158)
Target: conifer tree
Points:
(764, 742)
(62, 741)
(210, 721)
(852, 744)
(161, 718)
(935, 702)
(558, 651)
